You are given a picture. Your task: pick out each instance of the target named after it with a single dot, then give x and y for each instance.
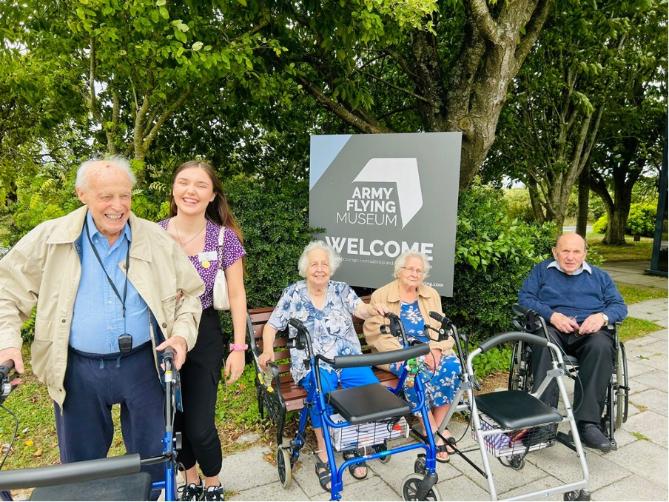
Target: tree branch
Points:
(484, 21)
(532, 30)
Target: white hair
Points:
(334, 260)
(401, 261)
(118, 161)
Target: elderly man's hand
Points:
(12, 354)
(563, 323)
(180, 347)
(592, 324)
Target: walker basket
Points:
(516, 442)
(367, 434)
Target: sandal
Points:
(323, 473)
(352, 468)
(442, 448)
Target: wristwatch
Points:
(606, 319)
(241, 347)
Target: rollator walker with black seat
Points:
(113, 478)
(616, 405)
(362, 416)
(510, 424)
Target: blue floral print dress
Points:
(440, 385)
(331, 328)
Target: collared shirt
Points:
(583, 268)
(97, 320)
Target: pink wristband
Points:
(234, 347)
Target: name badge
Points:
(206, 258)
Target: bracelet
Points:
(241, 347)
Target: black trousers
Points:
(595, 354)
(200, 376)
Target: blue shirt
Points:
(547, 290)
(97, 320)
(331, 328)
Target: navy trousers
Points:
(95, 383)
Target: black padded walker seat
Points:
(368, 403)
(130, 487)
(515, 409)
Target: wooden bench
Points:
(286, 395)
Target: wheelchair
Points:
(362, 416)
(113, 478)
(616, 405)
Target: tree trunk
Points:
(615, 231)
(583, 201)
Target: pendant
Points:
(206, 264)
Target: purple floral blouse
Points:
(206, 262)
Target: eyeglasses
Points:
(416, 271)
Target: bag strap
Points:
(221, 242)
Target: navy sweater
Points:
(547, 290)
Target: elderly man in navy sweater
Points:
(578, 301)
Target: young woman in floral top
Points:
(325, 307)
(198, 212)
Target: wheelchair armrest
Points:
(379, 358)
(520, 311)
(512, 336)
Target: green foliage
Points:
(493, 361)
(494, 254)
(275, 221)
(640, 221)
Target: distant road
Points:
(572, 228)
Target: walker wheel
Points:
(385, 459)
(284, 467)
(577, 495)
(516, 462)
(410, 486)
(419, 465)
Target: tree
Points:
(419, 65)
(569, 88)
(132, 65)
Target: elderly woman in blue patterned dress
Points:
(325, 307)
(411, 299)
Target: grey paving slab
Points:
(506, 478)
(247, 469)
(654, 379)
(373, 488)
(651, 399)
(272, 491)
(535, 486)
(650, 424)
(650, 310)
(461, 488)
(645, 459)
(631, 488)
(564, 465)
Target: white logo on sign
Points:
(404, 173)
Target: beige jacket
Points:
(43, 269)
(389, 296)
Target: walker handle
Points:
(512, 336)
(379, 358)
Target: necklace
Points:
(183, 242)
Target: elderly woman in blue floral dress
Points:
(325, 307)
(411, 299)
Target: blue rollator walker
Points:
(114, 478)
(363, 411)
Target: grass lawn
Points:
(635, 294)
(641, 250)
(632, 328)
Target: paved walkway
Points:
(636, 471)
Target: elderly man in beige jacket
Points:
(110, 289)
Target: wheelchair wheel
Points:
(284, 467)
(520, 371)
(410, 486)
(622, 388)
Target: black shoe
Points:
(213, 493)
(593, 437)
(191, 491)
